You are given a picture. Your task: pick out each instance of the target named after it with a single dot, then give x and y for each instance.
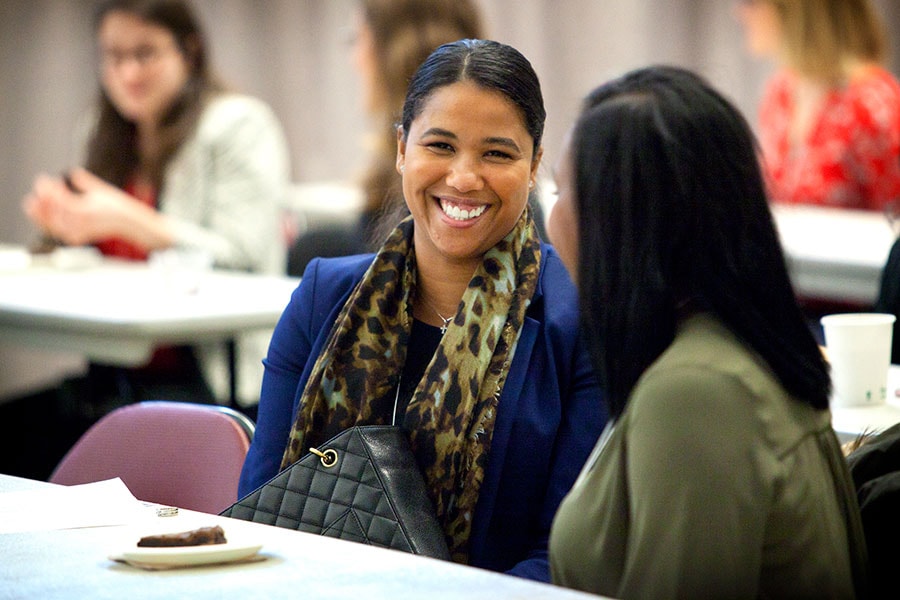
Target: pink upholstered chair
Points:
(173, 453)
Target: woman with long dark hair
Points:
(720, 475)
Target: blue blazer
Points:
(549, 416)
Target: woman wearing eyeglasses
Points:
(172, 159)
(829, 121)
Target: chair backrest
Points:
(173, 453)
(875, 468)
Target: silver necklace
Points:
(446, 320)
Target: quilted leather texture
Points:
(374, 494)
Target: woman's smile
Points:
(467, 162)
(461, 211)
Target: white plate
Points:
(192, 555)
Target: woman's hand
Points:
(93, 211)
(40, 205)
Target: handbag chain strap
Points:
(329, 457)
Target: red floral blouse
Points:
(851, 156)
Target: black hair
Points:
(490, 65)
(672, 208)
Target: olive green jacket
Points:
(713, 483)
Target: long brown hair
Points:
(820, 35)
(405, 33)
(112, 151)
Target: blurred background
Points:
(295, 55)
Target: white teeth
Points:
(458, 214)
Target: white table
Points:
(117, 313)
(850, 422)
(834, 254)
(315, 204)
(74, 563)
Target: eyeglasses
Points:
(143, 55)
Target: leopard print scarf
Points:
(450, 417)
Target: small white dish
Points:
(181, 556)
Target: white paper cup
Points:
(859, 350)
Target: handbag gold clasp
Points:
(328, 458)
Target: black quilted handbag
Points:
(361, 485)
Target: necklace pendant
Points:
(444, 320)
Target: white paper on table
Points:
(99, 504)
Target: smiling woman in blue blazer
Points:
(463, 328)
